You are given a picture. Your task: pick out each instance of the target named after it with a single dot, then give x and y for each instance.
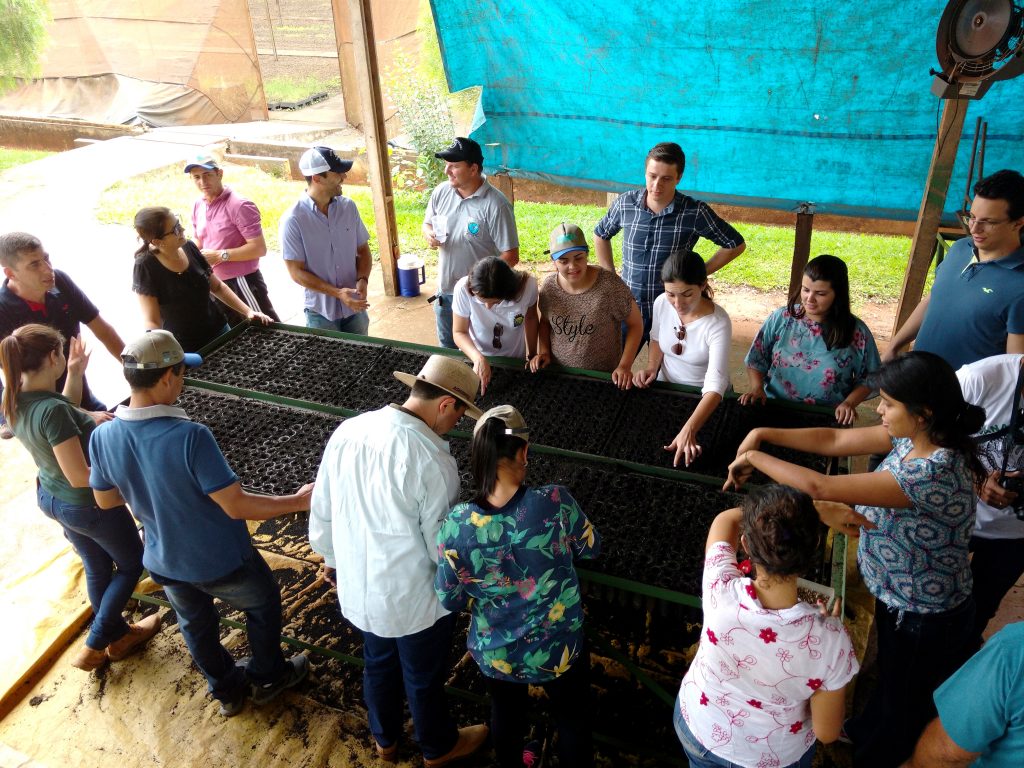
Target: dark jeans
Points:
(419, 663)
(443, 320)
(570, 707)
(251, 589)
(700, 756)
(108, 543)
(996, 566)
(252, 290)
(916, 653)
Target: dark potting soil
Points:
(507, 386)
(252, 359)
(273, 449)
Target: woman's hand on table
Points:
(259, 317)
(482, 369)
(754, 397)
(538, 361)
(845, 413)
(645, 378)
(685, 447)
(622, 377)
(739, 472)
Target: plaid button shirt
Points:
(651, 237)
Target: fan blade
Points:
(981, 26)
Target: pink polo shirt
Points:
(227, 222)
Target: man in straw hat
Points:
(386, 481)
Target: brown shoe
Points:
(89, 659)
(471, 738)
(135, 638)
(387, 754)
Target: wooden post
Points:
(378, 166)
(350, 92)
(270, 27)
(503, 183)
(801, 245)
(922, 248)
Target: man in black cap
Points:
(326, 246)
(466, 220)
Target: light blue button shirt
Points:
(327, 246)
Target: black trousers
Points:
(996, 566)
(252, 290)
(569, 705)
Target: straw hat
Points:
(453, 376)
(515, 424)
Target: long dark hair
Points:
(781, 530)
(490, 445)
(840, 324)
(927, 386)
(687, 267)
(24, 351)
(150, 225)
(493, 278)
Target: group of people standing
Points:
(404, 554)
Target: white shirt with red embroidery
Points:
(746, 696)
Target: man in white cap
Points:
(326, 246)
(229, 233)
(198, 548)
(466, 220)
(386, 481)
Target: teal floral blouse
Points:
(798, 365)
(514, 567)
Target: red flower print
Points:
(704, 701)
(768, 635)
(814, 683)
(751, 591)
(755, 703)
(713, 639)
(796, 727)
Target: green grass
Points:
(9, 158)
(294, 90)
(876, 262)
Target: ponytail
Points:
(150, 224)
(24, 351)
(490, 445)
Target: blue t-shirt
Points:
(916, 559)
(516, 562)
(165, 468)
(973, 306)
(798, 365)
(982, 705)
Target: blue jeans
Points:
(443, 320)
(251, 589)
(916, 653)
(702, 757)
(108, 543)
(418, 662)
(358, 323)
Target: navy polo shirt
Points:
(973, 305)
(64, 307)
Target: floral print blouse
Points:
(746, 695)
(514, 567)
(798, 365)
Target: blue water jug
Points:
(412, 273)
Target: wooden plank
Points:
(503, 183)
(922, 248)
(801, 245)
(346, 61)
(364, 48)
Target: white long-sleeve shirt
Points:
(385, 483)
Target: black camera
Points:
(1012, 484)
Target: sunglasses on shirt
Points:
(677, 348)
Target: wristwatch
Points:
(224, 256)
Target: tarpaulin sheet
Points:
(183, 62)
(775, 103)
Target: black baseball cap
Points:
(462, 150)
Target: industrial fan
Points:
(978, 43)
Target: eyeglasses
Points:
(177, 229)
(499, 329)
(677, 348)
(972, 223)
